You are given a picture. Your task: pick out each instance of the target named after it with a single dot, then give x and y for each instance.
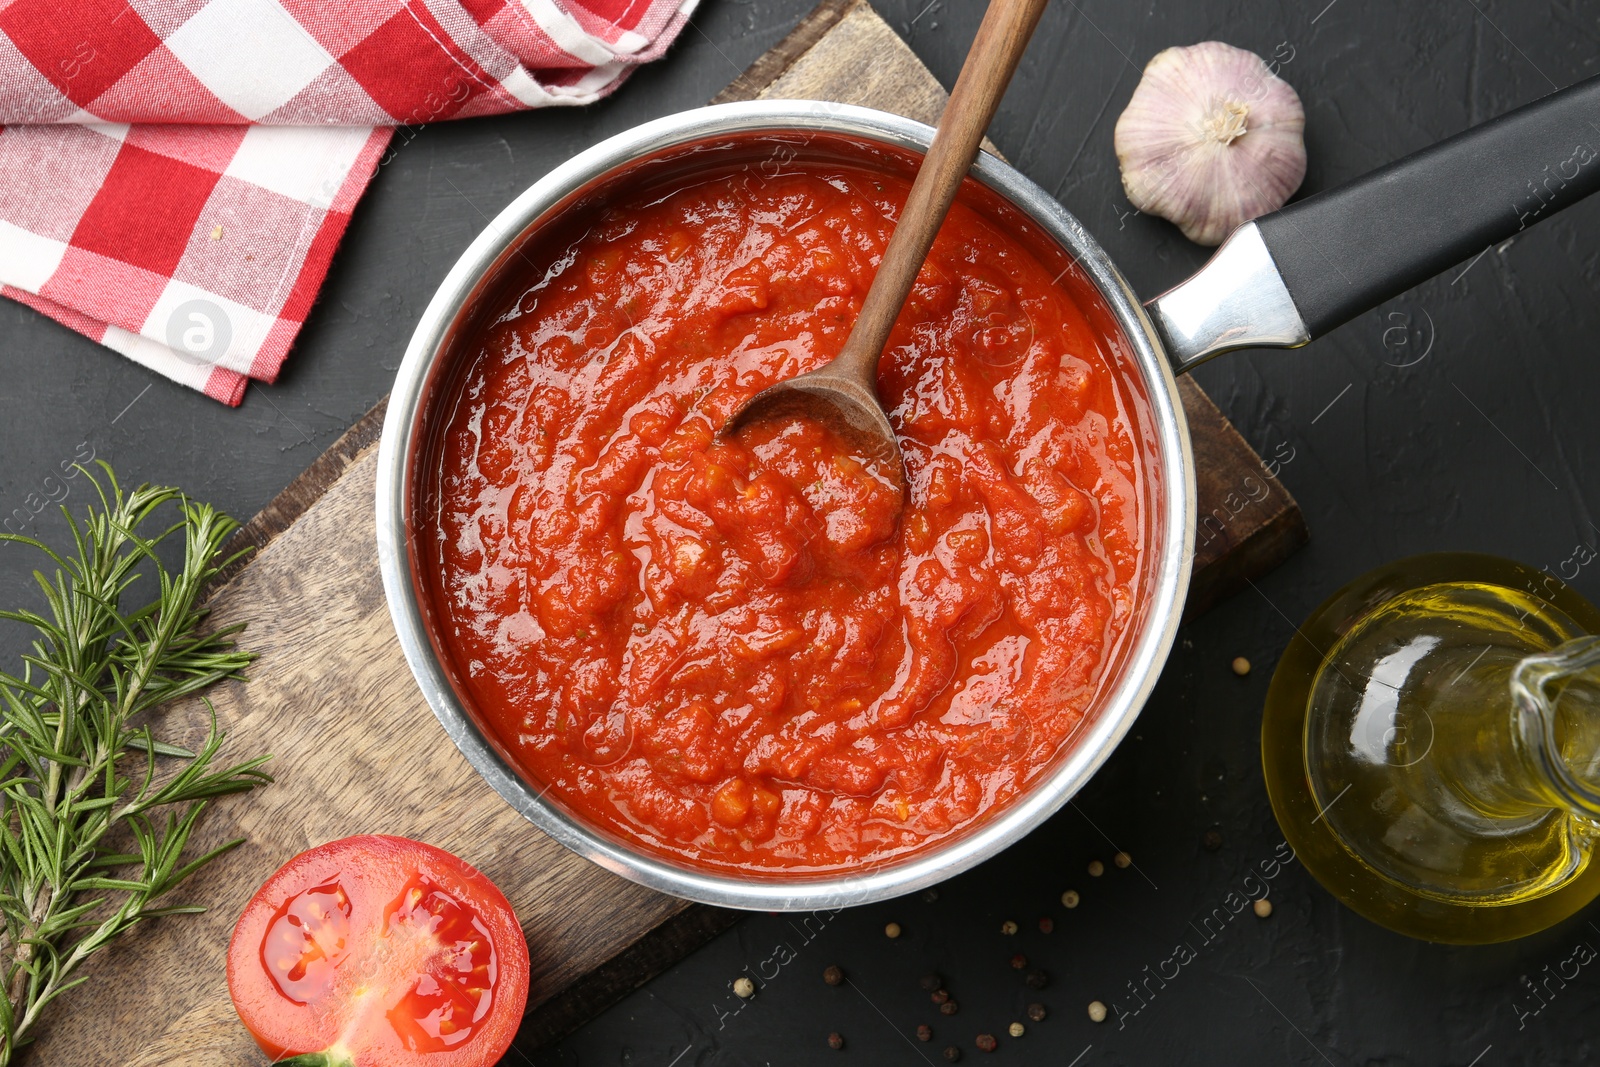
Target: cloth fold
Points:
(176, 174)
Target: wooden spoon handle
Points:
(1001, 38)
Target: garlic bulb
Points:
(1211, 139)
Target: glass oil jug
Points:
(1432, 747)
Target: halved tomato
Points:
(379, 952)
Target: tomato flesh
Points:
(308, 938)
(379, 952)
(456, 991)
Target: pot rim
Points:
(1173, 492)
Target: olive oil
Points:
(1430, 748)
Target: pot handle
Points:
(1299, 272)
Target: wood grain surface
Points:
(356, 749)
(1247, 521)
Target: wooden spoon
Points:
(842, 394)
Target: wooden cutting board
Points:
(356, 749)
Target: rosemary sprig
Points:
(82, 775)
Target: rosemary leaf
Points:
(82, 775)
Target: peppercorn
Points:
(1038, 979)
(1008, 928)
(744, 987)
(1016, 1029)
(939, 996)
(931, 981)
(835, 1041)
(832, 975)
(949, 1007)
(1070, 898)
(1036, 1012)
(924, 1032)
(1046, 925)
(1097, 1011)
(1211, 839)
(952, 1053)
(1241, 666)
(986, 1043)
(1262, 908)
(1122, 860)
(1018, 962)
(892, 930)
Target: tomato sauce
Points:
(730, 649)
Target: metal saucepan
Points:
(1277, 282)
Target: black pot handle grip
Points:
(1347, 250)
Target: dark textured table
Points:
(1458, 416)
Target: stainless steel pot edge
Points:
(1117, 711)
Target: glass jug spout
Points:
(1556, 695)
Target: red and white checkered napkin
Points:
(175, 174)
